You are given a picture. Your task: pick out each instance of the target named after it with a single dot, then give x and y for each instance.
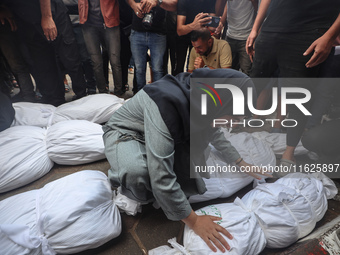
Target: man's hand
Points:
(147, 5)
(200, 20)
(6, 14)
(49, 28)
(219, 28)
(199, 63)
(137, 8)
(253, 171)
(250, 45)
(47, 23)
(209, 231)
(321, 47)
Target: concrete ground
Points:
(150, 229)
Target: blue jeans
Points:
(110, 37)
(140, 43)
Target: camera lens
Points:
(147, 20)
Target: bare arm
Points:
(47, 22)
(261, 15)
(224, 15)
(219, 7)
(323, 45)
(168, 5)
(223, 18)
(198, 23)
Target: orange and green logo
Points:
(209, 93)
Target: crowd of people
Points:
(286, 39)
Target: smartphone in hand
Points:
(213, 22)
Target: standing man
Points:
(100, 19)
(125, 15)
(11, 51)
(240, 16)
(296, 37)
(72, 6)
(148, 33)
(47, 31)
(208, 51)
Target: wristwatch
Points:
(159, 2)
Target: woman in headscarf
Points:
(147, 143)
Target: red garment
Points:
(109, 9)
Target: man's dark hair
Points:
(203, 33)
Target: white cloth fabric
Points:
(66, 216)
(277, 142)
(289, 208)
(125, 204)
(225, 184)
(75, 142)
(285, 215)
(96, 108)
(316, 188)
(28, 152)
(33, 114)
(273, 215)
(166, 250)
(23, 156)
(248, 236)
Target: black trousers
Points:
(10, 47)
(284, 51)
(324, 139)
(183, 43)
(43, 53)
(6, 111)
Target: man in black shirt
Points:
(295, 38)
(191, 15)
(149, 34)
(47, 31)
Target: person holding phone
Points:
(208, 51)
(191, 15)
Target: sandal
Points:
(67, 88)
(14, 83)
